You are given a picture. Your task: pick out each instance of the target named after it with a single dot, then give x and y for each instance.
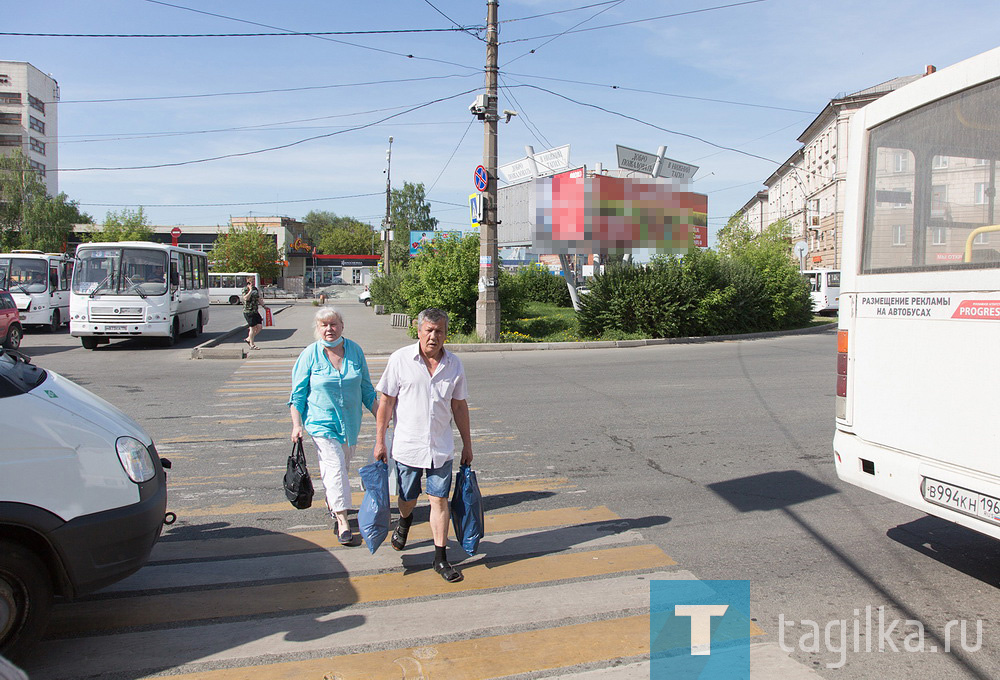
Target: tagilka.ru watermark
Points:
(870, 632)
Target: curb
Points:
(209, 350)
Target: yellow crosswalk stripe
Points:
(488, 657)
(326, 539)
(143, 610)
(520, 486)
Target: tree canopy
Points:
(339, 235)
(246, 248)
(124, 225)
(29, 217)
(409, 211)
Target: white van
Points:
(82, 496)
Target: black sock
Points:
(405, 522)
(440, 553)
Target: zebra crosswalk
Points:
(559, 588)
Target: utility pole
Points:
(488, 306)
(387, 222)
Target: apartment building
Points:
(808, 188)
(29, 118)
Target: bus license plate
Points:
(962, 500)
(115, 329)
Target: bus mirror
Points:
(175, 279)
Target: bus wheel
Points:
(234, 300)
(199, 326)
(171, 339)
(25, 598)
(89, 343)
(54, 324)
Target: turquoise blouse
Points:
(330, 400)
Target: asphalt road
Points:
(601, 470)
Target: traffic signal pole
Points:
(488, 305)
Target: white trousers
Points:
(334, 461)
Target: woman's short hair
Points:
(325, 314)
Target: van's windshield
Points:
(120, 271)
(23, 274)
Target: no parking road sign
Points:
(481, 178)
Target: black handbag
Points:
(298, 485)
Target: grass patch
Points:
(544, 322)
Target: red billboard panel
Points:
(574, 213)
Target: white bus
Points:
(917, 379)
(137, 288)
(824, 287)
(39, 284)
(227, 288)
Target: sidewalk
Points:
(292, 331)
(294, 322)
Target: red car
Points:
(10, 324)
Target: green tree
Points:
(348, 236)
(124, 225)
(409, 211)
(29, 217)
(246, 248)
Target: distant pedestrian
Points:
(252, 300)
(423, 390)
(330, 384)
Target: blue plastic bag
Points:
(467, 510)
(373, 515)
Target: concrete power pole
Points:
(387, 222)
(488, 306)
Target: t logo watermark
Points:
(700, 630)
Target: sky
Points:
(198, 129)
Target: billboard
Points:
(418, 239)
(574, 213)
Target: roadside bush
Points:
(386, 290)
(539, 285)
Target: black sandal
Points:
(398, 538)
(448, 572)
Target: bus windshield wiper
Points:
(132, 284)
(107, 278)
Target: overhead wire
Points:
(559, 35)
(559, 11)
(458, 25)
(222, 205)
(274, 148)
(318, 37)
(454, 151)
(634, 21)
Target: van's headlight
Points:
(135, 458)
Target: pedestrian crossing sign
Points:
(477, 208)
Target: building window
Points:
(36, 103)
(981, 239)
(900, 161)
(901, 192)
(981, 193)
(37, 167)
(10, 97)
(939, 236)
(899, 235)
(981, 161)
(36, 125)
(939, 162)
(10, 118)
(10, 140)
(36, 146)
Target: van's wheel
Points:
(234, 300)
(14, 336)
(89, 342)
(25, 599)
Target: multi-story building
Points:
(29, 118)
(807, 189)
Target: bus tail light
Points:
(842, 374)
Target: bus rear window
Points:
(931, 187)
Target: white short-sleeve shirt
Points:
(423, 435)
